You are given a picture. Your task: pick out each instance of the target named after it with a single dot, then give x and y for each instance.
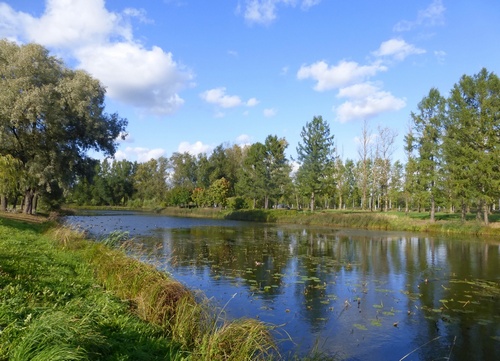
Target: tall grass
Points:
(188, 318)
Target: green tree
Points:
(428, 125)
(10, 172)
(277, 169)
(472, 141)
(183, 170)
(218, 192)
(50, 116)
(315, 155)
(150, 181)
(252, 179)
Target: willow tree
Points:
(50, 117)
(316, 155)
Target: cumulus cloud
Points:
(252, 102)
(143, 154)
(243, 140)
(195, 148)
(366, 101)
(398, 49)
(431, 16)
(219, 97)
(148, 79)
(269, 112)
(264, 12)
(102, 43)
(344, 73)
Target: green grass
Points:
(51, 307)
(65, 298)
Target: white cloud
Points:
(219, 97)
(440, 55)
(195, 148)
(264, 12)
(398, 49)
(431, 16)
(84, 22)
(269, 112)
(243, 140)
(143, 154)
(148, 79)
(102, 42)
(252, 102)
(366, 101)
(344, 73)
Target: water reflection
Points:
(356, 294)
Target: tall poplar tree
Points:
(316, 158)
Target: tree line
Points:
(51, 116)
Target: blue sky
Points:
(190, 75)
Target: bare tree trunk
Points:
(311, 206)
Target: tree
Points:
(219, 191)
(10, 169)
(184, 170)
(384, 149)
(364, 152)
(472, 140)
(50, 116)
(316, 157)
(427, 141)
(150, 181)
(277, 169)
(252, 179)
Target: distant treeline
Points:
(51, 116)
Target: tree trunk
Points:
(28, 201)
(485, 213)
(3, 203)
(433, 209)
(463, 211)
(311, 206)
(266, 201)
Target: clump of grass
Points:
(243, 339)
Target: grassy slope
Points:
(51, 306)
(65, 298)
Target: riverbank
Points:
(63, 297)
(445, 223)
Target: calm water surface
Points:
(359, 295)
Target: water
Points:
(358, 295)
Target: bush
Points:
(236, 203)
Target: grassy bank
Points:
(394, 221)
(65, 298)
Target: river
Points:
(353, 294)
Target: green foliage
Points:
(50, 116)
(316, 157)
(235, 203)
